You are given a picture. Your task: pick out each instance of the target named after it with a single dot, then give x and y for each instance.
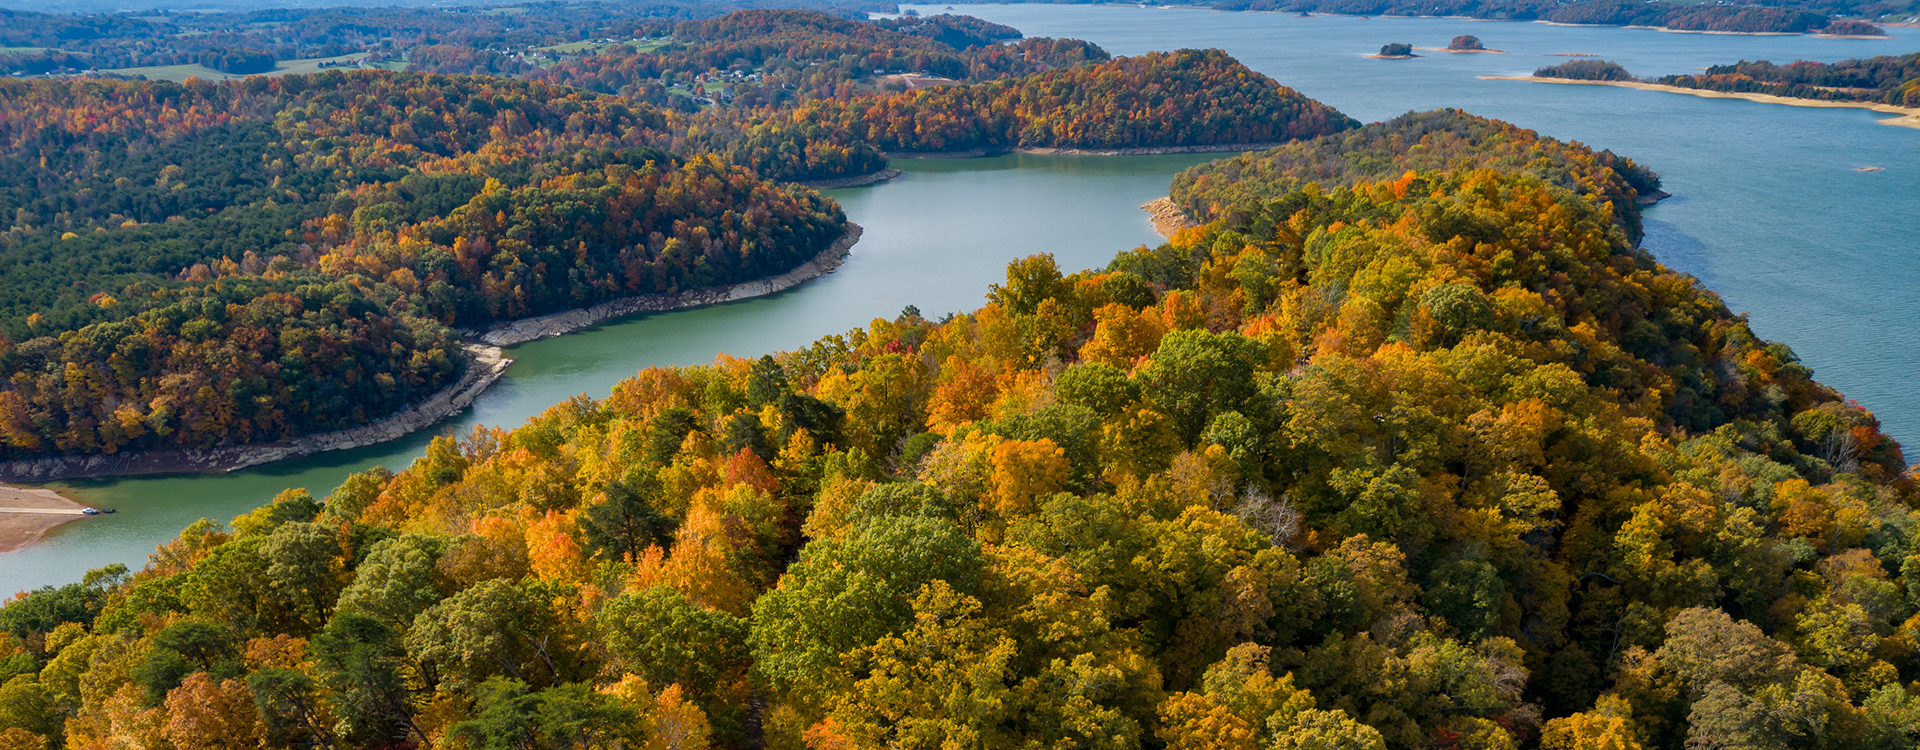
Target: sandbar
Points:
(1909, 116)
(26, 515)
(1464, 51)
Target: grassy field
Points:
(21, 50)
(574, 48)
(179, 73)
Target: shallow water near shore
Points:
(1768, 211)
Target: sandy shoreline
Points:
(1909, 116)
(26, 515)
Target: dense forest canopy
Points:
(1586, 70)
(379, 210)
(1782, 16)
(1434, 460)
(1885, 79)
(1446, 139)
(780, 57)
(366, 210)
(1183, 99)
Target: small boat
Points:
(106, 510)
(91, 511)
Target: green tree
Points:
(844, 594)
(363, 668)
(304, 570)
(398, 580)
(496, 628)
(629, 520)
(565, 717)
(1030, 281)
(667, 640)
(1097, 386)
(1195, 375)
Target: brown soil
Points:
(26, 515)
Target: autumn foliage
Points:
(1441, 460)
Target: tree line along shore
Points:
(1408, 445)
(271, 258)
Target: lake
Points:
(1768, 211)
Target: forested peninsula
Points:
(1408, 455)
(1837, 17)
(1882, 84)
(202, 265)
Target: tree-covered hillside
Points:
(145, 219)
(1885, 79)
(1446, 139)
(190, 265)
(1432, 461)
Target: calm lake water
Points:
(1768, 211)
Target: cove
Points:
(1768, 212)
(935, 238)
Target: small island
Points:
(1465, 43)
(1585, 70)
(1395, 51)
(1851, 29)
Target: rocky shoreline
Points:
(1207, 149)
(1167, 217)
(533, 329)
(486, 365)
(1216, 148)
(856, 181)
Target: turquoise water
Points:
(1768, 211)
(936, 238)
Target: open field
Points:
(574, 48)
(179, 73)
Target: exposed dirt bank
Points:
(27, 515)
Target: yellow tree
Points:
(206, 715)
